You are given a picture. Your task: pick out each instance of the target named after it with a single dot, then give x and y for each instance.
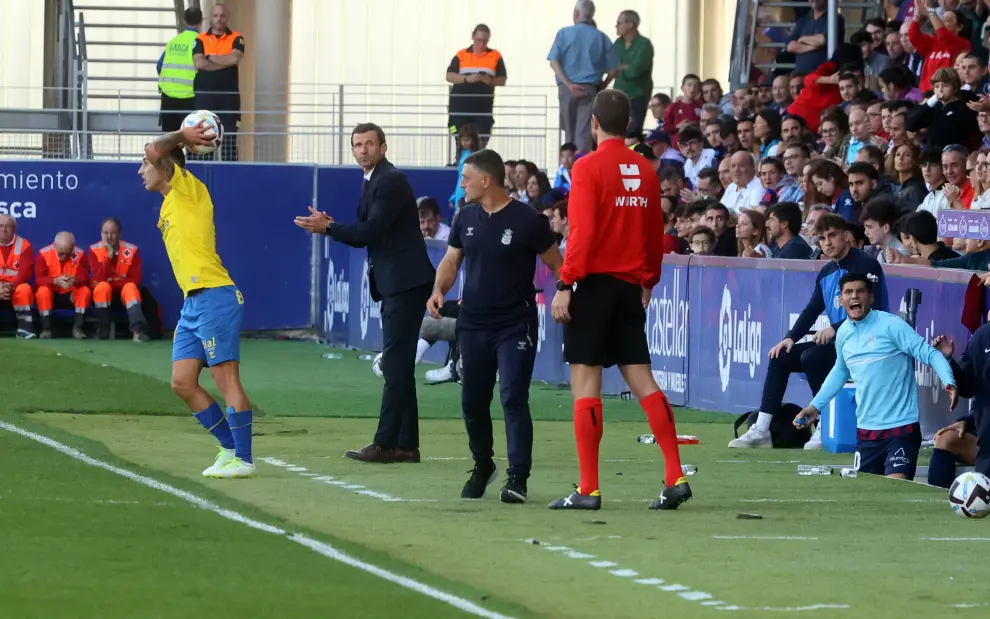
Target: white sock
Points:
(421, 347)
(763, 422)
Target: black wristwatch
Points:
(561, 286)
(327, 229)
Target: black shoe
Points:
(514, 490)
(672, 496)
(576, 500)
(482, 475)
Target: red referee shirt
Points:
(615, 217)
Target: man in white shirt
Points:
(931, 169)
(429, 220)
(696, 157)
(746, 190)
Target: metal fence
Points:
(300, 124)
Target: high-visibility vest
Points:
(56, 267)
(178, 69)
(125, 255)
(9, 267)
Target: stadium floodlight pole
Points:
(833, 25)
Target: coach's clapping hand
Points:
(785, 345)
(316, 222)
(434, 303)
(825, 336)
(561, 307)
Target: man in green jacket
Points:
(635, 78)
(176, 72)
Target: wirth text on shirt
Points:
(14, 203)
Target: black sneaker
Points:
(576, 500)
(514, 490)
(482, 475)
(671, 497)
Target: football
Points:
(213, 125)
(969, 495)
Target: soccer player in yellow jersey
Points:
(208, 332)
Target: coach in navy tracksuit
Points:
(968, 439)
(498, 239)
(814, 359)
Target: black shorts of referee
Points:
(607, 325)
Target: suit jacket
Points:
(388, 225)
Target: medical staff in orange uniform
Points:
(115, 272)
(16, 267)
(61, 276)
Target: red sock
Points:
(588, 434)
(661, 418)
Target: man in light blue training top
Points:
(877, 350)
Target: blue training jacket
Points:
(973, 379)
(825, 298)
(878, 353)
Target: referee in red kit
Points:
(613, 258)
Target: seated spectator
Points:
(972, 70)
(685, 109)
(860, 131)
(61, 277)
(897, 84)
(919, 236)
(808, 233)
(717, 218)
(872, 155)
(892, 43)
(746, 191)
(725, 173)
(696, 156)
(774, 177)
(795, 84)
(671, 182)
(468, 140)
(429, 220)
(976, 257)
(982, 172)
(432, 331)
(711, 92)
(662, 147)
(524, 169)
(983, 121)
(887, 111)
(850, 85)
(934, 175)
(879, 219)
(709, 185)
(958, 190)
(713, 136)
(751, 235)
(741, 103)
(702, 241)
(874, 61)
(898, 130)
(792, 129)
(832, 185)
(658, 108)
(746, 132)
(568, 153)
(766, 132)
(864, 182)
(813, 359)
(510, 176)
(875, 114)
(945, 115)
(821, 87)
(115, 275)
(835, 135)
(709, 111)
(784, 231)
(904, 164)
(539, 191)
(781, 92)
(559, 224)
(796, 155)
(16, 268)
(939, 51)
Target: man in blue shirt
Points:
(580, 56)
(784, 228)
(815, 359)
(808, 41)
(498, 239)
(877, 351)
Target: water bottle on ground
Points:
(366, 357)
(331, 355)
(849, 473)
(816, 469)
(689, 469)
(646, 438)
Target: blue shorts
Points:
(209, 326)
(886, 452)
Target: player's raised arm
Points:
(187, 136)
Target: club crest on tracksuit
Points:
(506, 237)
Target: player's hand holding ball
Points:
(202, 132)
(434, 303)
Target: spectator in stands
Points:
(635, 77)
(784, 232)
(582, 58)
(711, 92)
(864, 181)
(510, 177)
(946, 115)
(671, 182)
(876, 27)
(879, 219)
(745, 131)
(696, 156)
(663, 149)
(524, 169)
(875, 114)
(983, 120)
(16, 269)
(904, 164)
(808, 228)
(898, 130)
(725, 173)
(685, 110)
(751, 235)
(717, 217)
(559, 224)
(860, 133)
(973, 74)
(709, 185)
(792, 129)
(115, 275)
(976, 257)
(835, 135)
(912, 60)
(814, 359)
(808, 39)
(795, 84)
(474, 73)
(702, 241)
(897, 84)
(562, 181)
(468, 141)
(713, 136)
(217, 53)
(958, 190)
(658, 107)
(729, 136)
(177, 73)
(832, 185)
(740, 105)
(429, 220)
(540, 192)
(874, 60)
(781, 94)
(919, 236)
(766, 132)
(821, 87)
(708, 112)
(982, 201)
(895, 49)
(774, 177)
(934, 175)
(796, 155)
(61, 277)
(746, 191)
(850, 85)
(939, 51)
(872, 155)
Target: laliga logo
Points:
(739, 339)
(338, 297)
(369, 308)
(924, 374)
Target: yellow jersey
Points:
(186, 223)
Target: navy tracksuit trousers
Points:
(511, 352)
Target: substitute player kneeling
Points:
(877, 351)
(498, 239)
(115, 272)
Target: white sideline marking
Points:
(330, 480)
(602, 563)
(759, 461)
(713, 603)
(956, 539)
(673, 588)
(624, 573)
(786, 500)
(695, 596)
(649, 581)
(765, 537)
(297, 469)
(573, 554)
(322, 548)
(968, 605)
(91, 501)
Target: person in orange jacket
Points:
(115, 271)
(61, 275)
(16, 267)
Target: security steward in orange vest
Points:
(216, 56)
(115, 272)
(61, 276)
(474, 73)
(16, 268)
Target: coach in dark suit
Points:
(400, 276)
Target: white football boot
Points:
(225, 456)
(235, 469)
(815, 442)
(753, 438)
